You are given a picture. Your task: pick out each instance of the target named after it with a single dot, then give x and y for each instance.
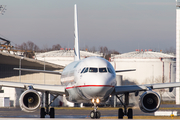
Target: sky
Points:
(121, 25)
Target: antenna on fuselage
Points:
(76, 41)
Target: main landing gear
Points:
(129, 113)
(95, 114)
(46, 111)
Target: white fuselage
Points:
(88, 79)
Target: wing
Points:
(54, 89)
(125, 70)
(135, 88)
(35, 70)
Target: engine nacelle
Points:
(30, 101)
(149, 101)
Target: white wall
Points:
(147, 70)
(177, 54)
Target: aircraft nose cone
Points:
(98, 85)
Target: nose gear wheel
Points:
(95, 114)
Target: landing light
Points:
(97, 100)
(93, 100)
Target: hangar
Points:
(10, 60)
(64, 56)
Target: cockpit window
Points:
(82, 70)
(86, 70)
(102, 70)
(109, 70)
(93, 70)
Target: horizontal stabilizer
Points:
(41, 71)
(125, 70)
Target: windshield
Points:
(86, 70)
(82, 70)
(102, 70)
(93, 70)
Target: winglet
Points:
(76, 41)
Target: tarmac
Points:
(58, 119)
(14, 113)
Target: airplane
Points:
(92, 79)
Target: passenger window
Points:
(82, 70)
(102, 70)
(109, 70)
(86, 70)
(93, 70)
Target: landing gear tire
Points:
(95, 115)
(51, 113)
(42, 113)
(130, 114)
(98, 114)
(120, 113)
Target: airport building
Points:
(10, 60)
(178, 50)
(63, 57)
(151, 67)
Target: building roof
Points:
(66, 53)
(144, 55)
(11, 59)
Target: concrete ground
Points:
(76, 113)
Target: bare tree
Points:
(170, 50)
(56, 47)
(28, 46)
(114, 52)
(45, 48)
(104, 50)
(93, 49)
(32, 46)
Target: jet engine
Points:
(149, 101)
(30, 101)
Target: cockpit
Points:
(96, 70)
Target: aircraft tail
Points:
(76, 41)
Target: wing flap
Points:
(134, 88)
(12, 84)
(128, 88)
(164, 85)
(56, 89)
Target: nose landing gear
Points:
(95, 114)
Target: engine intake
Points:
(149, 101)
(30, 101)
